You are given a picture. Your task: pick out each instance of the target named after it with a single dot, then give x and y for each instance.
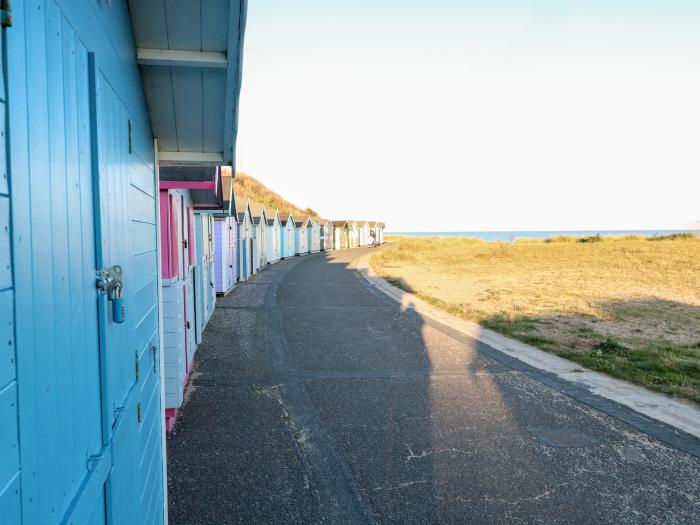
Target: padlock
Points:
(118, 308)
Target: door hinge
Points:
(138, 366)
(154, 351)
(138, 412)
(5, 13)
(93, 460)
(130, 135)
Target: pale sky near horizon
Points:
(473, 115)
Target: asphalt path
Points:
(316, 398)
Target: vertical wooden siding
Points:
(61, 420)
(129, 237)
(9, 438)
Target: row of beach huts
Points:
(115, 118)
(210, 241)
(118, 226)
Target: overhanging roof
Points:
(190, 57)
(203, 182)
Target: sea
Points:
(512, 235)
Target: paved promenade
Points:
(316, 398)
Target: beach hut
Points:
(380, 232)
(187, 269)
(326, 235)
(341, 234)
(259, 235)
(361, 239)
(314, 235)
(365, 233)
(354, 237)
(373, 234)
(87, 87)
(288, 232)
(301, 235)
(226, 240)
(274, 233)
(246, 241)
(204, 272)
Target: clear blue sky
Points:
(474, 115)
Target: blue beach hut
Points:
(288, 237)
(96, 96)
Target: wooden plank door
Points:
(126, 232)
(231, 247)
(64, 454)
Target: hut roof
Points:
(204, 183)
(300, 220)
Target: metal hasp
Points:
(110, 281)
(5, 13)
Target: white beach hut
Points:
(326, 235)
(259, 235)
(354, 236)
(226, 240)
(301, 236)
(314, 233)
(274, 234)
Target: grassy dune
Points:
(250, 188)
(627, 306)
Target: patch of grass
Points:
(560, 238)
(666, 368)
(610, 346)
(617, 304)
(671, 237)
(590, 238)
(401, 284)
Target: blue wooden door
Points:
(64, 454)
(126, 236)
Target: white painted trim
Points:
(178, 58)
(677, 413)
(190, 157)
(161, 337)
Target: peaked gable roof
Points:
(242, 210)
(258, 213)
(284, 217)
(300, 220)
(227, 190)
(272, 216)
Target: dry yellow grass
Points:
(569, 297)
(246, 187)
